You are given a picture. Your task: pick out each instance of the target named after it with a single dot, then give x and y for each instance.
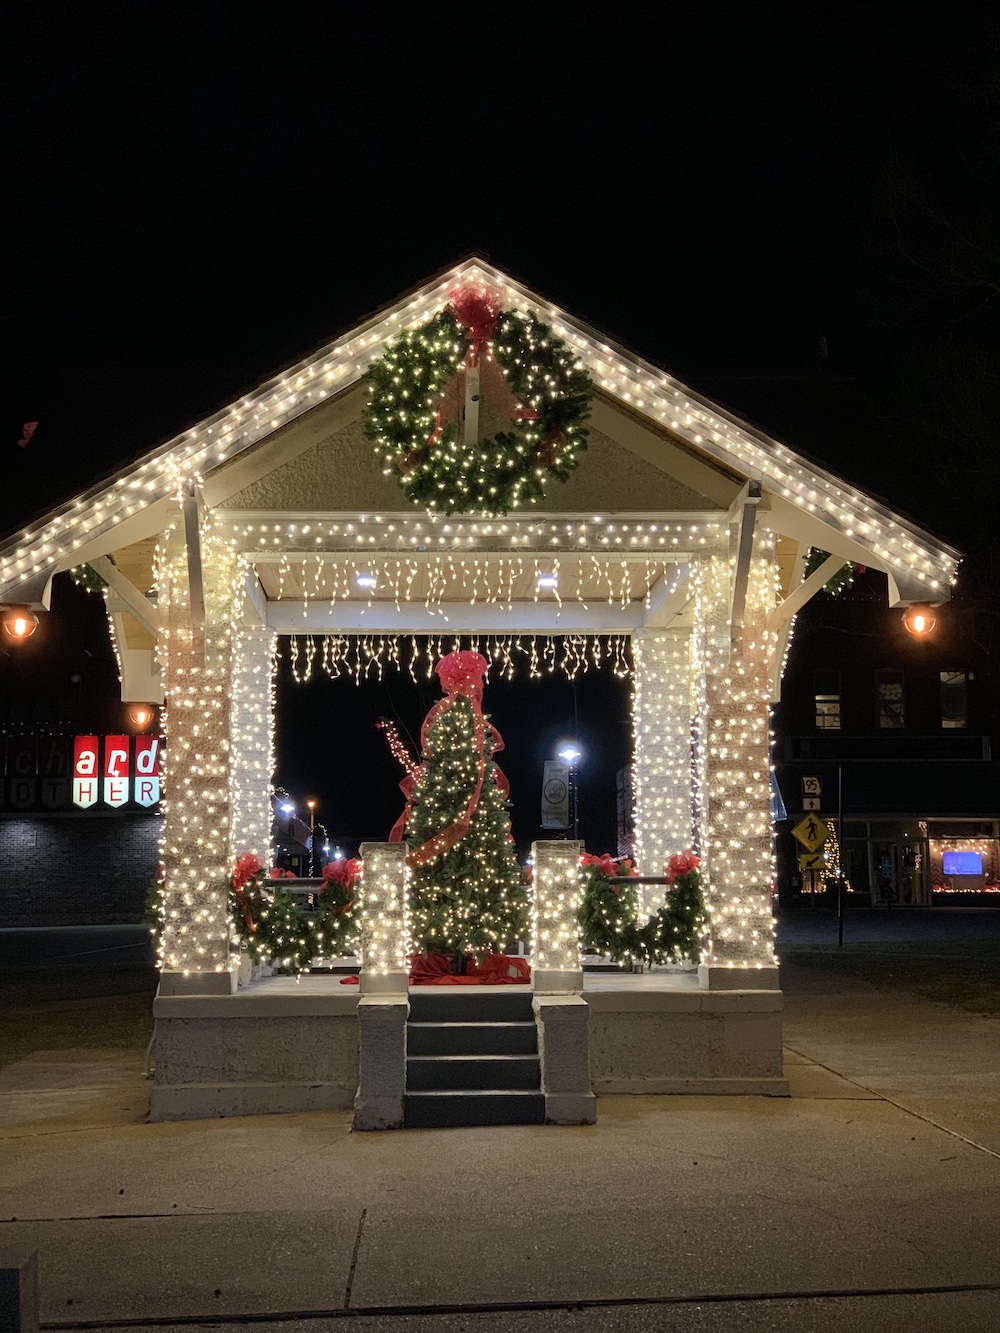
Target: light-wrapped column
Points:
(384, 910)
(734, 763)
(252, 744)
(196, 803)
(556, 889)
(661, 765)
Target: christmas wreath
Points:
(440, 389)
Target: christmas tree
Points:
(467, 895)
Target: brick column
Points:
(195, 957)
(734, 773)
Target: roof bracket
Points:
(742, 521)
(196, 576)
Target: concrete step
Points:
(450, 1110)
(472, 1073)
(470, 1004)
(471, 1038)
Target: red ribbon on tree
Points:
(477, 306)
(461, 675)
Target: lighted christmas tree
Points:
(467, 893)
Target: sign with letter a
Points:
(116, 770)
(84, 770)
(147, 770)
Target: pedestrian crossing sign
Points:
(812, 832)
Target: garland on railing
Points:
(609, 913)
(274, 927)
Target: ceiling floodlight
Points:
(19, 623)
(141, 715)
(365, 579)
(548, 580)
(919, 620)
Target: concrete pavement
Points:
(822, 1211)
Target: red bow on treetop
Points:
(462, 673)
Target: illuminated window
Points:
(826, 690)
(891, 704)
(954, 699)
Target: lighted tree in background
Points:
(467, 893)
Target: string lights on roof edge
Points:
(639, 385)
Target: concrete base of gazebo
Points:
(283, 1045)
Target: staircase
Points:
(472, 1059)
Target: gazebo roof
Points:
(807, 502)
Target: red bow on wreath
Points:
(476, 306)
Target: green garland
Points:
(609, 919)
(285, 933)
(85, 576)
(608, 911)
(840, 579)
(507, 471)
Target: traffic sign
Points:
(810, 802)
(811, 832)
(812, 861)
(812, 787)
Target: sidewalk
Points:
(836, 1190)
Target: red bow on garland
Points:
(477, 306)
(461, 674)
(248, 867)
(681, 863)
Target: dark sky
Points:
(197, 195)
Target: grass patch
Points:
(963, 973)
(53, 1009)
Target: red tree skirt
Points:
(498, 969)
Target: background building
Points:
(909, 726)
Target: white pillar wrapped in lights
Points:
(556, 966)
(196, 649)
(734, 772)
(384, 918)
(661, 769)
(252, 742)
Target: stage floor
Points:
(328, 983)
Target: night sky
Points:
(792, 210)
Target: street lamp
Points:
(571, 754)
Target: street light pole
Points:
(312, 838)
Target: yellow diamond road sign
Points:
(812, 832)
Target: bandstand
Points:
(683, 531)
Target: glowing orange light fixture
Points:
(141, 715)
(919, 620)
(19, 623)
